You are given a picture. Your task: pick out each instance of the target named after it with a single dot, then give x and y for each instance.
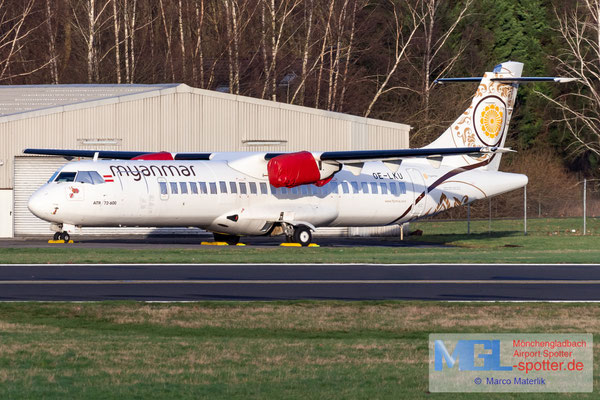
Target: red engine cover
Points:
(294, 169)
(161, 155)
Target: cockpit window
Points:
(92, 177)
(84, 177)
(53, 176)
(96, 178)
(66, 177)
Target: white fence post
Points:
(525, 210)
(584, 204)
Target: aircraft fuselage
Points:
(214, 196)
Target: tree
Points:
(90, 22)
(401, 42)
(579, 105)
(15, 33)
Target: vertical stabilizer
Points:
(485, 122)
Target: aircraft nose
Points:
(38, 204)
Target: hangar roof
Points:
(25, 101)
(17, 99)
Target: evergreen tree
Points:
(519, 29)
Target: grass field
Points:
(305, 349)
(548, 241)
(314, 350)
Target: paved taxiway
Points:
(177, 282)
(193, 242)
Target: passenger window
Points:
(173, 187)
(374, 188)
(315, 190)
(66, 177)
(233, 187)
(213, 187)
(284, 190)
(253, 187)
(263, 188)
(402, 187)
(243, 189)
(223, 187)
(383, 188)
(393, 189)
(273, 190)
(183, 186)
(354, 187)
(335, 188)
(193, 188)
(294, 190)
(163, 187)
(345, 187)
(203, 188)
(365, 187)
(304, 190)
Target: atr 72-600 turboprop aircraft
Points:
(243, 193)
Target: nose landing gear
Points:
(62, 236)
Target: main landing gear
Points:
(62, 236)
(298, 234)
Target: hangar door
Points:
(32, 172)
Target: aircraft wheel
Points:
(65, 236)
(56, 236)
(302, 235)
(231, 240)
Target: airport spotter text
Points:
(152, 170)
(516, 381)
(549, 343)
(546, 365)
(545, 353)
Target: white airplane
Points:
(252, 193)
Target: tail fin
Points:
(486, 120)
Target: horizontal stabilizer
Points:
(524, 79)
(365, 155)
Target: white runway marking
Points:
(299, 281)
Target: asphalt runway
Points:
(185, 282)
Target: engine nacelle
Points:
(161, 155)
(301, 168)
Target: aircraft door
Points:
(163, 189)
(419, 191)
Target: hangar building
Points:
(170, 117)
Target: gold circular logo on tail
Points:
(489, 116)
(491, 121)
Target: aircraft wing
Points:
(114, 154)
(334, 156)
(367, 155)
